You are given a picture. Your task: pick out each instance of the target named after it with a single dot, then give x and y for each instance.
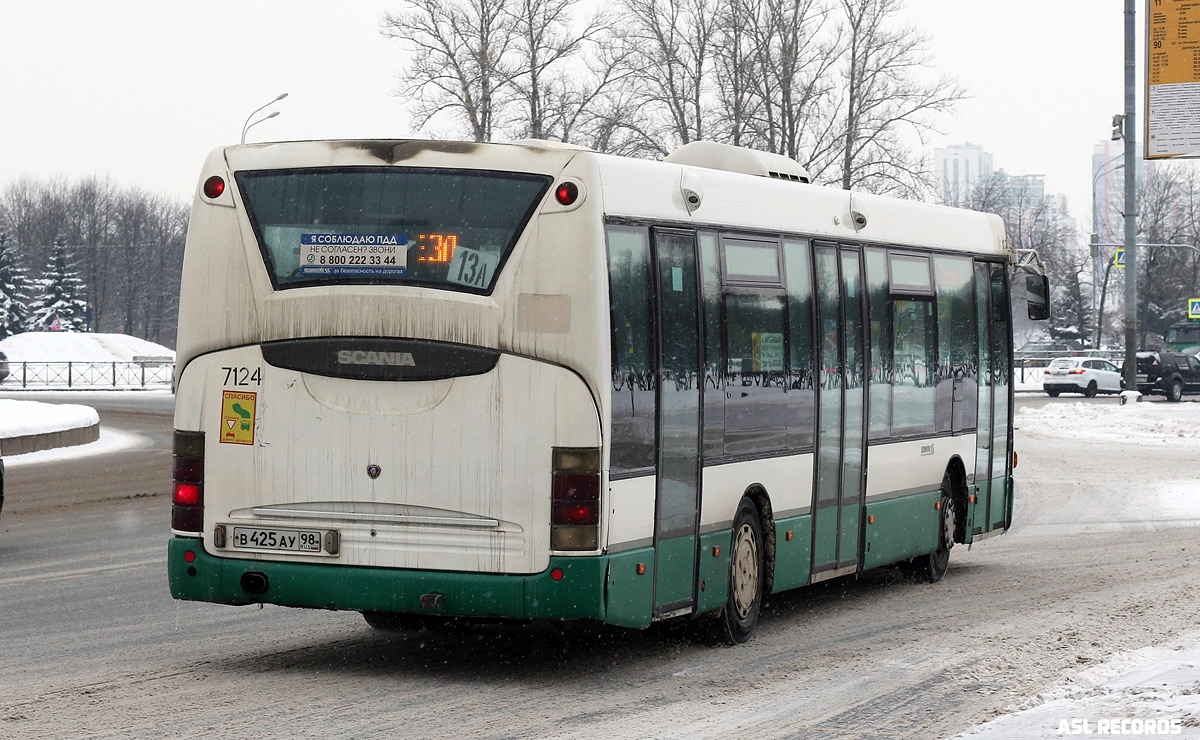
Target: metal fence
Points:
(88, 375)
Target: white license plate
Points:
(270, 538)
(1142, 378)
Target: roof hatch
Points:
(716, 156)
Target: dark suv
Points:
(1169, 374)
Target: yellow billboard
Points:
(1172, 78)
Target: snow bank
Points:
(20, 418)
(66, 346)
(1150, 684)
(1170, 424)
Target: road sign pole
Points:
(1130, 202)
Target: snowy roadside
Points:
(1152, 691)
(1148, 692)
(21, 418)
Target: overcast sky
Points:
(143, 90)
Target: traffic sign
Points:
(1194, 308)
(1119, 257)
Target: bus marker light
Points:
(972, 499)
(701, 585)
(189, 557)
(870, 519)
(938, 505)
(1014, 459)
(213, 187)
(716, 550)
(556, 574)
(641, 569)
(566, 193)
(789, 535)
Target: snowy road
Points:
(1102, 561)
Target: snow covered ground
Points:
(65, 346)
(19, 418)
(1151, 691)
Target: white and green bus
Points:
(426, 379)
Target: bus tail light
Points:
(575, 508)
(187, 502)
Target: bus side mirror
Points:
(1038, 289)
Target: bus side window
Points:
(957, 362)
(801, 391)
(714, 355)
(880, 361)
(633, 378)
(756, 402)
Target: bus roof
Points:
(654, 190)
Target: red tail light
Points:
(187, 510)
(1077, 371)
(575, 506)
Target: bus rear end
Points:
(385, 382)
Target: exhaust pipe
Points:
(255, 583)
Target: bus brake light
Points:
(187, 501)
(575, 499)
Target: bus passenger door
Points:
(841, 443)
(680, 383)
(989, 512)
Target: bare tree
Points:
(127, 243)
(1167, 208)
(669, 56)
(458, 60)
(883, 97)
(791, 79)
(551, 98)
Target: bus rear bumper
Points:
(578, 594)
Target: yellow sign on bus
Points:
(237, 417)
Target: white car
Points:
(1085, 375)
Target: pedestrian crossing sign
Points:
(1119, 257)
(1194, 308)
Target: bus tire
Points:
(933, 566)
(738, 618)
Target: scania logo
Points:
(373, 471)
(360, 357)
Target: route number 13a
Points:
(472, 268)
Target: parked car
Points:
(1169, 374)
(3, 367)
(1031, 350)
(1084, 375)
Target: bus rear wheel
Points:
(737, 620)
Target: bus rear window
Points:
(444, 228)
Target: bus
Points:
(1183, 336)
(430, 380)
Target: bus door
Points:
(839, 489)
(994, 439)
(680, 383)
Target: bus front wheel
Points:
(746, 577)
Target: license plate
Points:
(270, 538)
(1142, 378)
